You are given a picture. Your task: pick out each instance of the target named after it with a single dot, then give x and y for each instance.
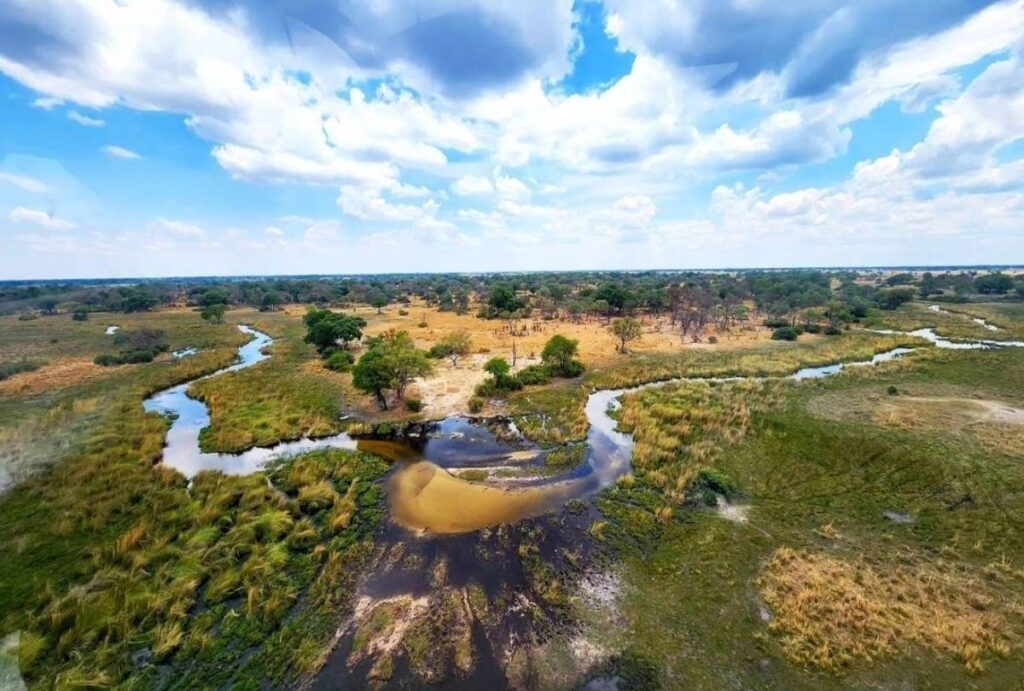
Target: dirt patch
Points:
(60, 374)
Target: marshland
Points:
(637, 480)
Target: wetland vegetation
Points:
(738, 528)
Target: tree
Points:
(48, 305)
(558, 354)
(498, 368)
(453, 346)
(503, 299)
(626, 329)
(326, 329)
(214, 313)
(378, 300)
(80, 315)
(994, 284)
(373, 375)
(894, 297)
(214, 296)
(404, 359)
(139, 299)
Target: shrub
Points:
(403, 313)
(775, 322)
(712, 340)
(833, 331)
(475, 405)
(786, 333)
(80, 315)
(534, 375)
(892, 391)
(413, 405)
(711, 482)
(339, 360)
(9, 369)
(812, 328)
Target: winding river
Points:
(425, 492)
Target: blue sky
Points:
(171, 137)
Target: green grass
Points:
(693, 596)
(286, 397)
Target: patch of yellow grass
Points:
(831, 611)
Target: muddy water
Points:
(423, 492)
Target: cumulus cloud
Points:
(21, 214)
(816, 45)
(182, 229)
(121, 152)
(470, 185)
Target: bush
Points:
(413, 405)
(775, 322)
(9, 369)
(339, 360)
(892, 391)
(812, 328)
(711, 482)
(786, 333)
(403, 313)
(712, 340)
(475, 405)
(80, 316)
(833, 331)
(534, 375)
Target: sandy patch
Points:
(425, 497)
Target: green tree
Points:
(626, 329)
(498, 368)
(994, 284)
(453, 346)
(405, 360)
(559, 352)
(80, 315)
(214, 296)
(326, 329)
(894, 297)
(373, 375)
(214, 313)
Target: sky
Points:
(240, 137)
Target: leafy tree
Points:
(214, 296)
(453, 346)
(559, 353)
(326, 329)
(378, 300)
(139, 299)
(503, 299)
(894, 297)
(374, 375)
(498, 368)
(994, 284)
(80, 315)
(626, 329)
(48, 305)
(614, 295)
(214, 313)
(405, 360)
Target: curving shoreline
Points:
(423, 494)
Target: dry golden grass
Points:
(830, 611)
(597, 345)
(63, 373)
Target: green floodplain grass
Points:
(110, 562)
(818, 488)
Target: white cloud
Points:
(21, 214)
(470, 185)
(85, 120)
(182, 229)
(23, 182)
(47, 102)
(274, 231)
(121, 152)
